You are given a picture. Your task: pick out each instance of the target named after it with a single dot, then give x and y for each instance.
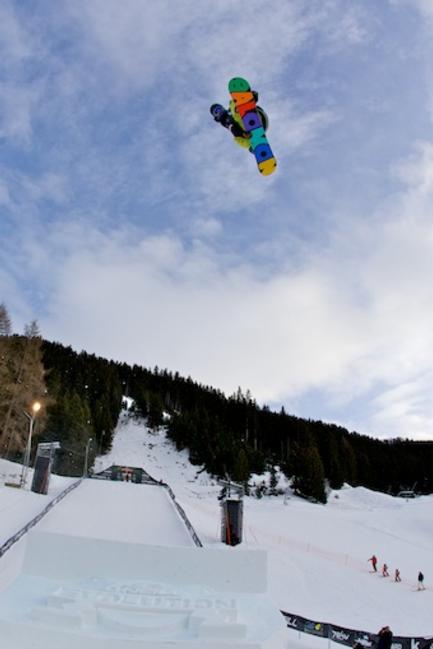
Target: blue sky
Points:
(133, 227)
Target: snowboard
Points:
(246, 107)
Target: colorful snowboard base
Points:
(240, 91)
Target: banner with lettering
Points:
(350, 637)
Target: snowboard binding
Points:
(221, 115)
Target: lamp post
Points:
(86, 459)
(36, 406)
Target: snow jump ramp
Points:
(96, 594)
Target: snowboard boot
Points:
(221, 115)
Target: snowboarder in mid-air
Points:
(231, 120)
(247, 122)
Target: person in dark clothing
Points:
(385, 638)
(421, 581)
(373, 560)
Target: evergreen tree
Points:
(309, 480)
(155, 411)
(273, 481)
(350, 462)
(69, 423)
(335, 469)
(241, 471)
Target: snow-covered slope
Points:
(118, 511)
(318, 554)
(18, 506)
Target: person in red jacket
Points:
(373, 560)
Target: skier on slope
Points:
(421, 581)
(373, 560)
(231, 120)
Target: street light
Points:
(36, 406)
(86, 459)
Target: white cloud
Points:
(426, 7)
(12, 296)
(16, 106)
(425, 47)
(134, 40)
(301, 128)
(4, 194)
(181, 309)
(353, 320)
(49, 186)
(140, 40)
(14, 43)
(417, 171)
(351, 26)
(18, 97)
(206, 227)
(406, 410)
